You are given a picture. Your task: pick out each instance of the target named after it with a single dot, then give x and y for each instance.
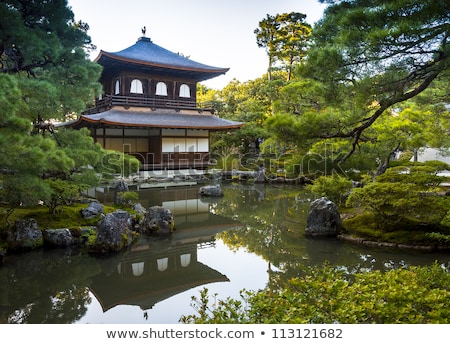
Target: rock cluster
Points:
(113, 232)
(158, 220)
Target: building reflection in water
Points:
(155, 269)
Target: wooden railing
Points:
(153, 103)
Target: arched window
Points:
(136, 86)
(185, 91)
(161, 89)
(117, 87)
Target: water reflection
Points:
(54, 286)
(274, 230)
(46, 287)
(151, 272)
(264, 224)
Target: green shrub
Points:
(394, 202)
(439, 237)
(414, 295)
(335, 188)
(127, 197)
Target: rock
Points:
(25, 235)
(276, 179)
(260, 175)
(158, 220)
(139, 217)
(61, 237)
(211, 191)
(357, 184)
(140, 209)
(303, 180)
(323, 219)
(123, 215)
(93, 210)
(113, 233)
(121, 186)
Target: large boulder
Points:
(211, 191)
(158, 220)
(113, 233)
(25, 235)
(94, 209)
(323, 219)
(61, 237)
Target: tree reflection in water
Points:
(45, 287)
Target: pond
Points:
(252, 236)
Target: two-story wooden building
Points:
(149, 107)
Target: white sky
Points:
(213, 32)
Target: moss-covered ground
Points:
(68, 217)
(365, 224)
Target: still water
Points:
(250, 237)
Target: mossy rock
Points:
(25, 235)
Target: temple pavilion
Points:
(149, 108)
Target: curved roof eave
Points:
(145, 53)
(216, 71)
(164, 120)
(162, 126)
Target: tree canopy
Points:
(285, 37)
(378, 54)
(46, 50)
(45, 76)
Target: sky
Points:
(212, 32)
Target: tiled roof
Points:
(155, 119)
(145, 52)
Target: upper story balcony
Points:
(110, 101)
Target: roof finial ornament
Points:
(144, 30)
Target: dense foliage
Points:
(404, 205)
(377, 54)
(373, 81)
(369, 92)
(336, 188)
(46, 77)
(325, 295)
